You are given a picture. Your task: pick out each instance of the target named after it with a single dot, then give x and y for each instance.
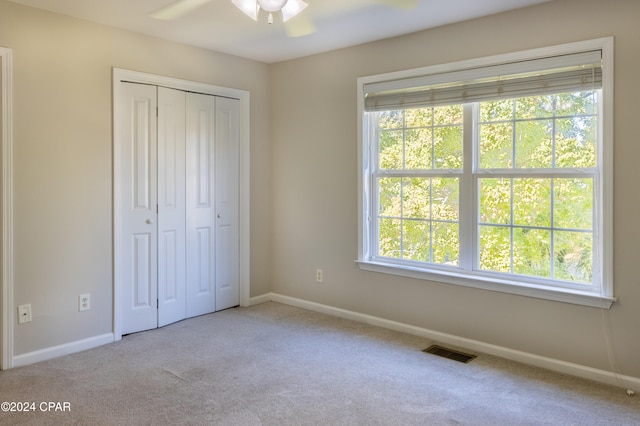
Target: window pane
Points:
(418, 149)
(532, 202)
(573, 203)
(534, 107)
(576, 142)
(496, 146)
(419, 117)
(573, 256)
(532, 252)
(391, 119)
(495, 201)
(495, 248)
(416, 198)
(446, 198)
(448, 147)
(534, 148)
(501, 110)
(389, 242)
(417, 240)
(389, 197)
(390, 152)
(450, 114)
(579, 103)
(446, 248)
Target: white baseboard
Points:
(260, 299)
(602, 376)
(61, 350)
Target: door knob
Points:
(219, 216)
(149, 221)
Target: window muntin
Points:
(425, 231)
(537, 218)
(552, 131)
(419, 152)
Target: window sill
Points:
(522, 289)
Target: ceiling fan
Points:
(287, 9)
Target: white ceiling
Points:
(218, 25)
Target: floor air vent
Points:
(449, 353)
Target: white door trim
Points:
(243, 185)
(6, 138)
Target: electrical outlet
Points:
(319, 275)
(24, 313)
(84, 302)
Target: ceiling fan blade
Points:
(177, 9)
(248, 7)
(400, 4)
(292, 8)
(300, 26)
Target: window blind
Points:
(558, 74)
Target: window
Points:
(493, 173)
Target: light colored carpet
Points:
(273, 364)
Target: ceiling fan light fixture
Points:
(289, 8)
(272, 5)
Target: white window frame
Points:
(602, 295)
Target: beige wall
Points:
(315, 195)
(63, 161)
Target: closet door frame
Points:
(120, 75)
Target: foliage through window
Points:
(503, 185)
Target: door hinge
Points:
(157, 303)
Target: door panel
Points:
(199, 207)
(138, 205)
(202, 274)
(142, 270)
(227, 142)
(171, 206)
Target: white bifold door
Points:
(179, 246)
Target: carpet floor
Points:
(274, 364)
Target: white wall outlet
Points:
(84, 302)
(24, 313)
(319, 275)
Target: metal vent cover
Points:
(449, 353)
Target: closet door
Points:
(153, 206)
(200, 212)
(171, 206)
(227, 151)
(178, 168)
(138, 236)
(213, 138)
